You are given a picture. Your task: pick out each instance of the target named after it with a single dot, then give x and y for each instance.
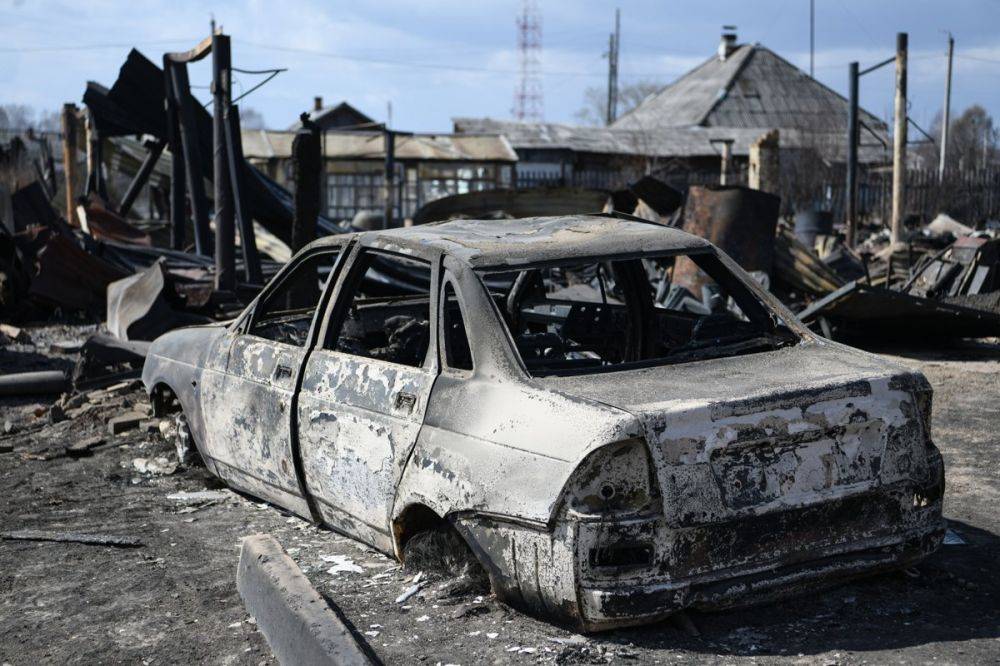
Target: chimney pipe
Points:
(728, 43)
(317, 103)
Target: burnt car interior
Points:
(580, 317)
(383, 319)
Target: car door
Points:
(365, 389)
(254, 411)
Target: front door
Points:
(364, 392)
(254, 411)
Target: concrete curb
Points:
(299, 624)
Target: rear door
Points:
(253, 411)
(364, 391)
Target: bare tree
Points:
(20, 117)
(630, 95)
(972, 141)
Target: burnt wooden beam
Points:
(141, 176)
(178, 198)
(191, 154)
(237, 165)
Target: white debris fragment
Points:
(372, 634)
(341, 564)
(235, 625)
(198, 496)
(408, 592)
(491, 636)
(159, 465)
(423, 618)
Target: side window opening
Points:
(456, 340)
(385, 317)
(285, 314)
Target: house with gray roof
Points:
(735, 96)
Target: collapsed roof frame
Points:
(187, 176)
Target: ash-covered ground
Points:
(174, 599)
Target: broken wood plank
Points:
(84, 447)
(72, 537)
(127, 421)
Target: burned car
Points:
(609, 454)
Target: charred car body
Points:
(609, 458)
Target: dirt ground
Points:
(174, 599)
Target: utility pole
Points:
(899, 141)
(853, 135)
(726, 146)
(946, 115)
(613, 50)
(390, 177)
(307, 165)
(812, 38)
(225, 215)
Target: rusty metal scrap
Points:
(740, 221)
(662, 459)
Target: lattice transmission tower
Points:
(528, 93)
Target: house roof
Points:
(690, 141)
(367, 145)
(663, 142)
(317, 116)
(751, 88)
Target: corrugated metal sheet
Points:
(267, 144)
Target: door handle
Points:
(281, 372)
(406, 401)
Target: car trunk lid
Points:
(764, 432)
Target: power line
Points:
(976, 58)
(88, 47)
(404, 63)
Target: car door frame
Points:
(242, 326)
(339, 299)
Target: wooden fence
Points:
(970, 196)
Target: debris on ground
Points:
(72, 537)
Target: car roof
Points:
(507, 243)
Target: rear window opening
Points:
(585, 317)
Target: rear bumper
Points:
(744, 562)
(609, 607)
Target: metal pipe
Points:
(899, 141)
(946, 113)
(225, 233)
(850, 207)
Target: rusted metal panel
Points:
(857, 310)
(739, 221)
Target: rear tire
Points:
(187, 452)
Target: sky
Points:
(433, 60)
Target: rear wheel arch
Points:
(412, 520)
